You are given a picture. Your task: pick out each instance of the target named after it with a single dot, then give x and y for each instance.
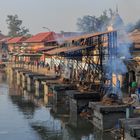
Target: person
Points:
(82, 41)
(55, 69)
(43, 64)
(46, 65)
(138, 92)
(139, 89)
(134, 92)
(59, 69)
(134, 86)
(38, 64)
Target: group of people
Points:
(42, 64)
(39, 64)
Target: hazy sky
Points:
(60, 15)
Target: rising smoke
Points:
(116, 66)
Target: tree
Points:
(87, 24)
(111, 12)
(104, 20)
(15, 26)
(93, 24)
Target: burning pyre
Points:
(115, 66)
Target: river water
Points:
(26, 117)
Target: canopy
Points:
(66, 49)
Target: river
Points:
(25, 117)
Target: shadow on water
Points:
(38, 122)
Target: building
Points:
(39, 40)
(134, 67)
(15, 47)
(4, 49)
(15, 44)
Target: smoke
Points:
(63, 36)
(130, 27)
(123, 51)
(59, 38)
(116, 66)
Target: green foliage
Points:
(89, 23)
(14, 26)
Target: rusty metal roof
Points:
(66, 49)
(87, 35)
(40, 37)
(16, 40)
(29, 54)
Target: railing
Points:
(32, 67)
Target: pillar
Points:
(37, 85)
(23, 80)
(28, 83)
(46, 92)
(18, 78)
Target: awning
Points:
(67, 49)
(47, 48)
(30, 54)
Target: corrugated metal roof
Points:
(6, 39)
(16, 40)
(41, 37)
(2, 36)
(87, 36)
(66, 49)
(29, 54)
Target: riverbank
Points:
(30, 101)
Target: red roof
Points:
(6, 39)
(16, 40)
(41, 37)
(2, 36)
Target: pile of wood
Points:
(111, 99)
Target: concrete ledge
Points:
(75, 94)
(108, 108)
(44, 77)
(60, 87)
(107, 116)
(131, 127)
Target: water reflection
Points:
(25, 116)
(48, 124)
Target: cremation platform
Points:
(131, 128)
(78, 102)
(107, 116)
